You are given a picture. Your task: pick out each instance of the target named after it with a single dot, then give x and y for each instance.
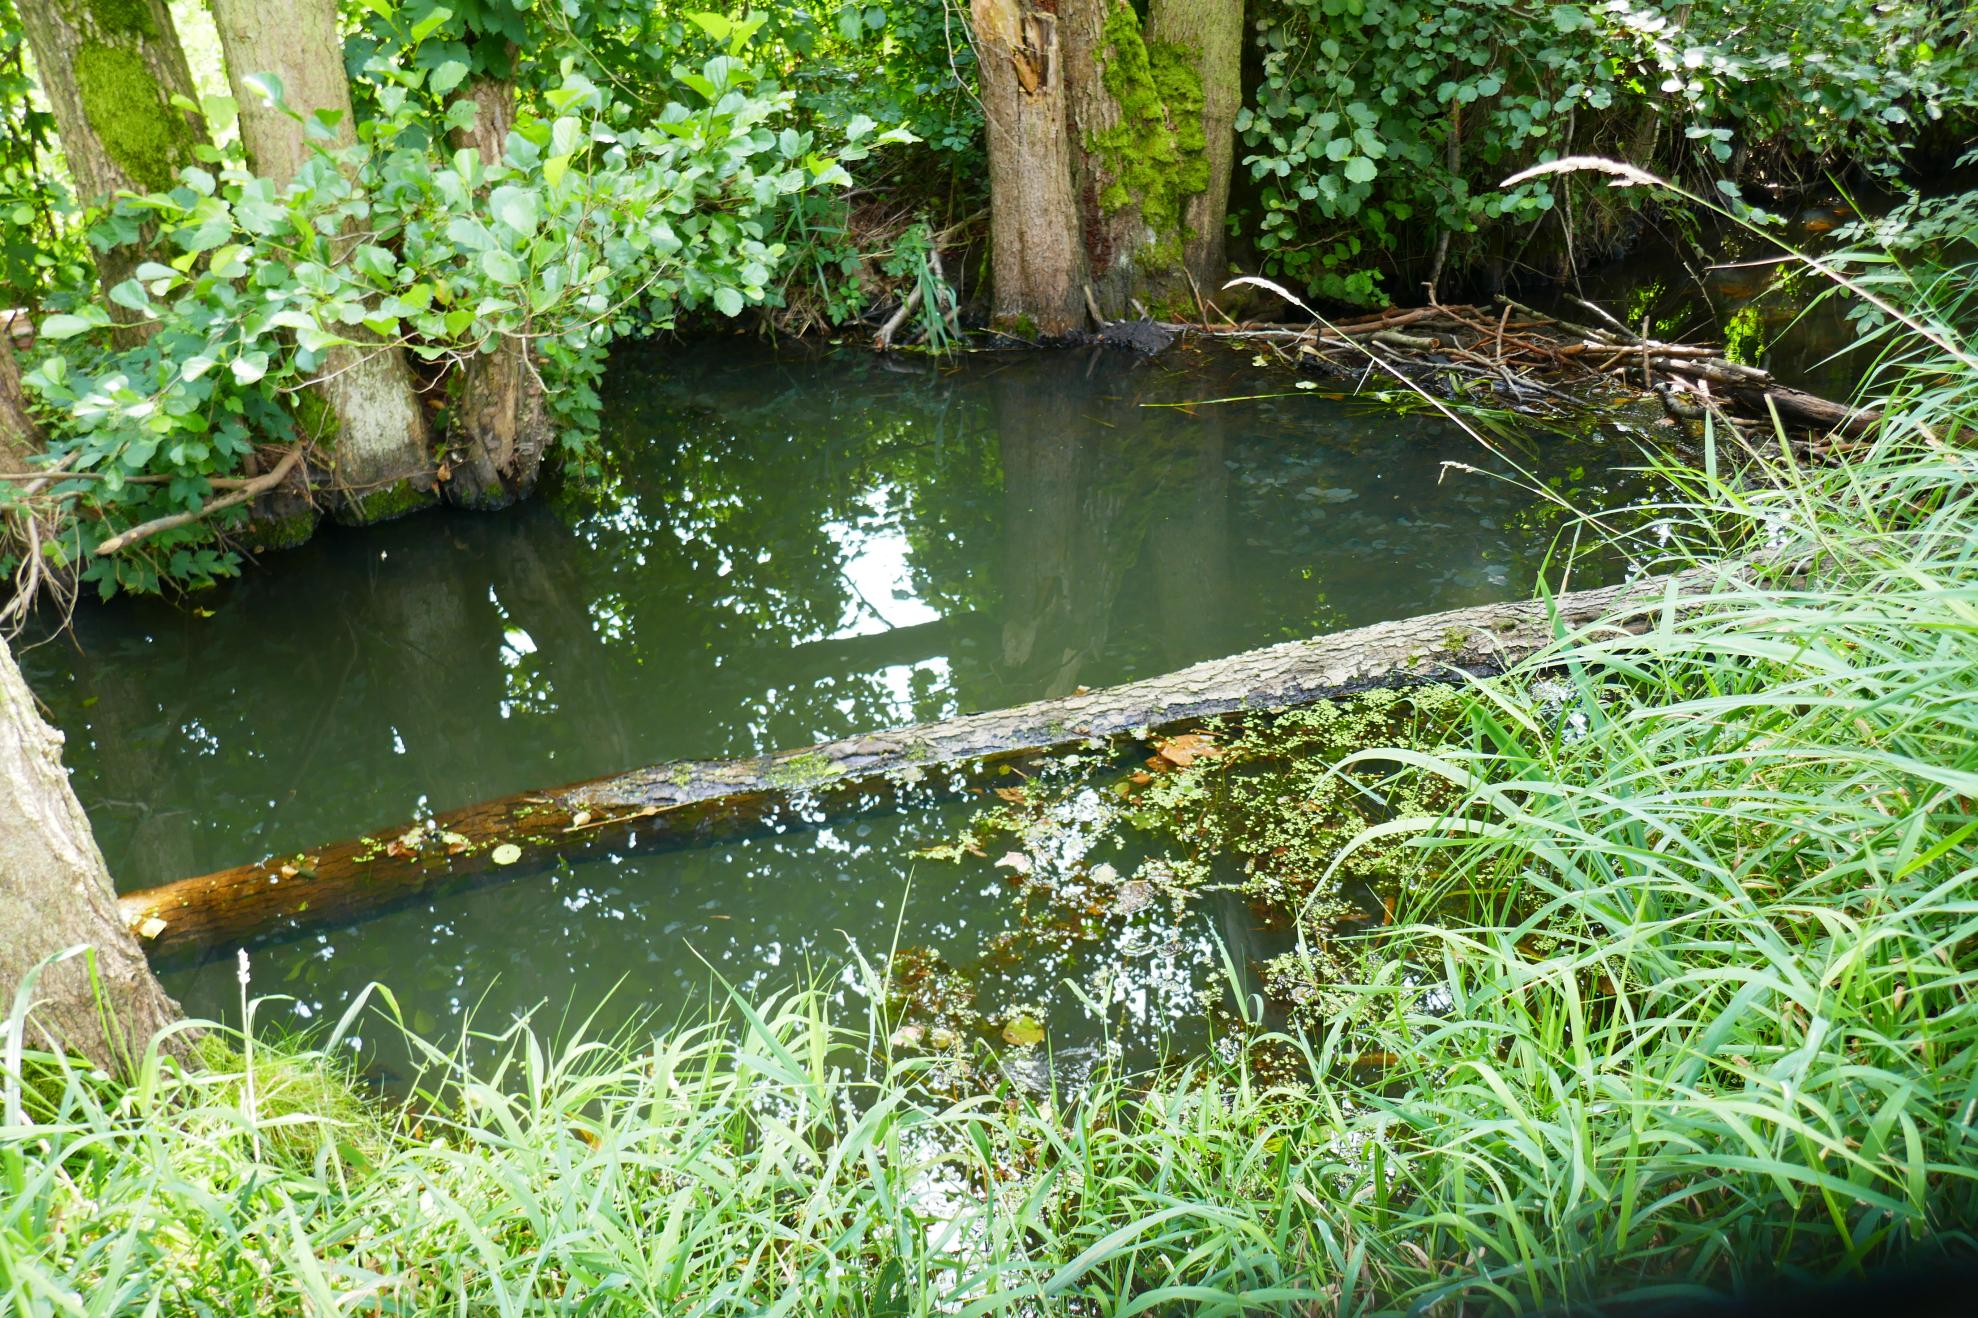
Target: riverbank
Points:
(1685, 1010)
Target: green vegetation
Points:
(676, 164)
(1677, 1001)
(1644, 972)
(1382, 125)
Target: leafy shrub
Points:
(597, 223)
(1379, 125)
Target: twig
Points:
(1092, 306)
(259, 485)
(884, 340)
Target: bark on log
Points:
(1755, 389)
(697, 801)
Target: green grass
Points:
(1689, 1008)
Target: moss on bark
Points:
(1156, 153)
(132, 117)
(386, 503)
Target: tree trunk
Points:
(1109, 153)
(25, 533)
(110, 69)
(20, 435)
(1209, 35)
(1110, 226)
(1036, 255)
(696, 801)
(499, 426)
(55, 894)
(372, 430)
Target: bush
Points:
(1381, 125)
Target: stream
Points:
(788, 544)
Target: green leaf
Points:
(131, 294)
(249, 367)
(1361, 170)
(1570, 18)
(728, 301)
(447, 76)
(515, 207)
(430, 24)
(269, 86)
(717, 26)
(500, 266)
(65, 327)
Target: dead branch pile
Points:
(1541, 364)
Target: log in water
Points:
(695, 801)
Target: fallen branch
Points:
(884, 339)
(696, 801)
(248, 491)
(1527, 355)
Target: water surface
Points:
(787, 546)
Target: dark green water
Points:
(788, 547)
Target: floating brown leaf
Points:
(1187, 748)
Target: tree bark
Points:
(1110, 227)
(1036, 256)
(55, 894)
(1110, 144)
(695, 801)
(499, 427)
(25, 532)
(1210, 34)
(20, 434)
(110, 69)
(373, 440)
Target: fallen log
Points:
(689, 801)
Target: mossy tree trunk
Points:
(1208, 36)
(367, 423)
(498, 427)
(1109, 146)
(110, 69)
(55, 894)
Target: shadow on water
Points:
(786, 546)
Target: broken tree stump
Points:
(695, 801)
